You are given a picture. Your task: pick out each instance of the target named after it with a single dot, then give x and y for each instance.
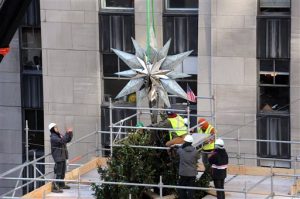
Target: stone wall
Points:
(10, 114)
(71, 68)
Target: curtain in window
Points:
(183, 32)
(273, 128)
(273, 38)
(32, 91)
(116, 32)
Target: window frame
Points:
(185, 10)
(103, 7)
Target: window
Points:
(269, 7)
(115, 4)
(32, 89)
(273, 128)
(273, 53)
(273, 37)
(274, 72)
(183, 32)
(35, 120)
(32, 16)
(181, 4)
(116, 32)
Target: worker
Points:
(60, 155)
(188, 156)
(173, 121)
(219, 160)
(209, 144)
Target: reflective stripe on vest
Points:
(219, 167)
(211, 145)
(177, 123)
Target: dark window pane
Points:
(274, 99)
(32, 15)
(266, 65)
(183, 32)
(169, 31)
(120, 3)
(273, 38)
(105, 33)
(110, 65)
(266, 79)
(32, 91)
(123, 66)
(30, 116)
(113, 86)
(193, 35)
(36, 140)
(273, 128)
(182, 3)
(116, 32)
(180, 38)
(31, 59)
(282, 66)
(282, 79)
(31, 37)
(40, 120)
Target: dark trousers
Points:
(186, 181)
(219, 184)
(205, 162)
(59, 171)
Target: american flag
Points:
(190, 94)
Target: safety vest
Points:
(209, 146)
(177, 123)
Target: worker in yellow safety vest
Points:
(174, 121)
(208, 145)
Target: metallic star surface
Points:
(153, 75)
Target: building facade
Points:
(245, 69)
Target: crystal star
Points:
(154, 75)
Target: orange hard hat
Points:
(203, 123)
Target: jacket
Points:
(219, 162)
(188, 157)
(58, 146)
(209, 131)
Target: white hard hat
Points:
(188, 138)
(51, 125)
(219, 142)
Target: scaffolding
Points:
(119, 130)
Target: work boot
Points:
(65, 187)
(55, 188)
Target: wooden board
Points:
(72, 175)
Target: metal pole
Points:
(97, 141)
(110, 127)
(34, 169)
(239, 147)
(27, 151)
(78, 187)
(245, 189)
(20, 174)
(272, 186)
(130, 196)
(188, 117)
(160, 187)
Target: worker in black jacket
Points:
(60, 155)
(219, 161)
(188, 156)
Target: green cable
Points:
(148, 28)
